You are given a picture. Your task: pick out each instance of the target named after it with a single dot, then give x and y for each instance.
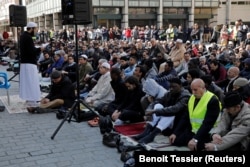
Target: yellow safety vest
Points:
(171, 35)
(198, 113)
(51, 34)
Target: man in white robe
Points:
(29, 78)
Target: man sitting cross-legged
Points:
(166, 111)
(120, 90)
(203, 114)
(232, 132)
(130, 110)
(102, 93)
(61, 94)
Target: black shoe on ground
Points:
(2, 108)
(146, 132)
(9, 69)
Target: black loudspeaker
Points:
(77, 12)
(17, 16)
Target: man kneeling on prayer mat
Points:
(61, 94)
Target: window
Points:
(241, 3)
(141, 10)
(202, 11)
(106, 11)
(174, 10)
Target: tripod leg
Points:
(69, 115)
(11, 79)
(73, 111)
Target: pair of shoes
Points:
(94, 122)
(31, 109)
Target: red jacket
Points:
(128, 33)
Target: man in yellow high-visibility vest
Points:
(203, 111)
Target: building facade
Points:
(4, 13)
(232, 10)
(124, 13)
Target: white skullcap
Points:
(106, 65)
(179, 41)
(84, 56)
(31, 25)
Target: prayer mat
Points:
(130, 129)
(17, 105)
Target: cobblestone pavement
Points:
(25, 141)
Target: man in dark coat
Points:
(61, 94)
(70, 69)
(131, 109)
(120, 90)
(169, 73)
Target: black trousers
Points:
(183, 139)
(126, 115)
(131, 116)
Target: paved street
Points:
(25, 141)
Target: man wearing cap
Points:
(239, 83)
(242, 86)
(177, 53)
(84, 68)
(102, 93)
(233, 131)
(188, 45)
(29, 78)
(91, 79)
